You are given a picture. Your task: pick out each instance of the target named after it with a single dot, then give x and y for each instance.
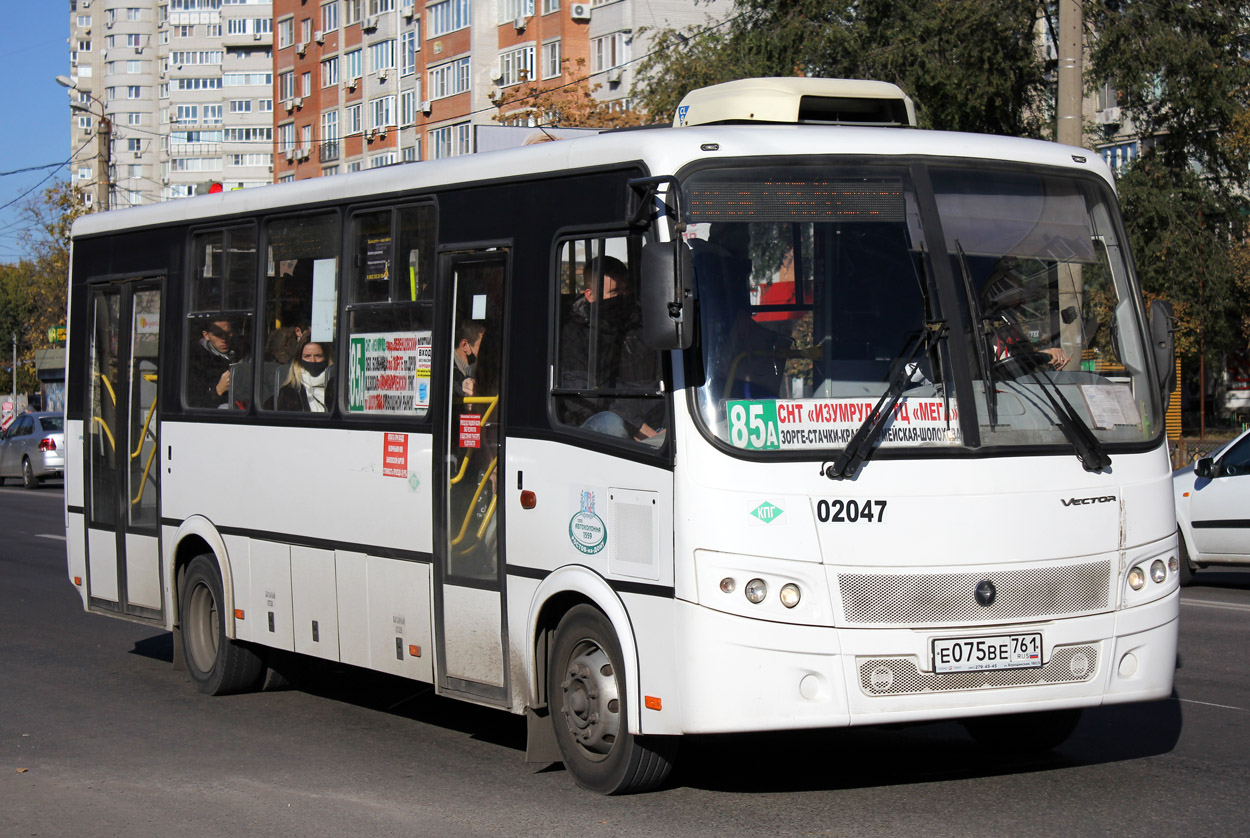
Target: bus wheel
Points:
(217, 664)
(1023, 733)
(587, 695)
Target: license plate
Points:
(968, 654)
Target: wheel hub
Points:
(591, 700)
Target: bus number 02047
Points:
(850, 511)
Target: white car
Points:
(1213, 508)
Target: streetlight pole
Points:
(14, 370)
(104, 144)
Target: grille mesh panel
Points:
(948, 598)
(899, 676)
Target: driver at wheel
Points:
(1002, 297)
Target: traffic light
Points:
(210, 188)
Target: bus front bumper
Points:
(753, 675)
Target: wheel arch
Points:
(197, 536)
(559, 592)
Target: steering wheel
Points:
(1021, 362)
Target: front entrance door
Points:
(469, 604)
(122, 450)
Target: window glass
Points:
(222, 300)
(390, 319)
(607, 380)
(1237, 461)
(301, 306)
(52, 424)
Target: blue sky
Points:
(34, 109)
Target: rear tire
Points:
(588, 700)
(1023, 733)
(217, 665)
(28, 475)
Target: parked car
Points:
(33, 448)
(1213, 508)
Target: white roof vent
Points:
(798, 100)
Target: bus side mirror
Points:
(1163, 346)
(667, 295)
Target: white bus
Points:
(787, 416)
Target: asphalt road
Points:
(100, 736)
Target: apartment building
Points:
(366, 83)
(185, 86)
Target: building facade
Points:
(184, 86)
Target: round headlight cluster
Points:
(1157, 572)
(756, 591)
(1136, 579)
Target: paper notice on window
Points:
(1110, 405)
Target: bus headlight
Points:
(1174, 564)
(727, 585)
(1136, 579)
(789, 595)
(1158, 572)
(755, 591)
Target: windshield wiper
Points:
(863, 441)
(981, 335)
(1085, 445)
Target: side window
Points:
(298, 372)
(607, 380)
(219, 329)
(1237, 461)
(390, 311)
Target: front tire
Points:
(28, 475)
(217, 665)
(1187, 567)
(588, 698)
(1024, 733)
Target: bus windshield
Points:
(820, 290)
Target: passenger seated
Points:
(209, 369)
(309, 386)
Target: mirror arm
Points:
(643, 190)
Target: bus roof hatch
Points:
(798, 100)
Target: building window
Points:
(517, 66)
(187, 114)
(448, 16)
(408, 107)
(377, 7)
(380, 160)
(352, 65)
(240, 106)
(449, 79)
(550, 6)
(286, 85)
(609, 51)
(306, 84)
(351, 117)
(551, 59)
(286, 32)
(450, 141)
(132, 40)
(305, 30)
(510, 10)
(134, 144)
(382, 55)
(330, 16)
(134, 91)
(351, 12)
(409, 44)
(382, 112)
(286, 137)
(264, 105)
(412, 153)
(330, 72)
(212, 114)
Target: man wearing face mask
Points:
(208, 381)
(309, 386)
(468, 341)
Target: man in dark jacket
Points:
(208, 374)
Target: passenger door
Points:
(469, 599)
(122, 450)
(1220, 510)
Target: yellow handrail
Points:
(108, 385)
(481, 487)
(107, 432)
(149, 377)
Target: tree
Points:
(15, 312)
(47, 242)
(1184, 83)
(565, 102)
(970, 65)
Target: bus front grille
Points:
(900, 676)
(929, 599)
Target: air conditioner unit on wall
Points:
(580, 11)
(426, 106)
(319, 36)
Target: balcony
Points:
(329, 151)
